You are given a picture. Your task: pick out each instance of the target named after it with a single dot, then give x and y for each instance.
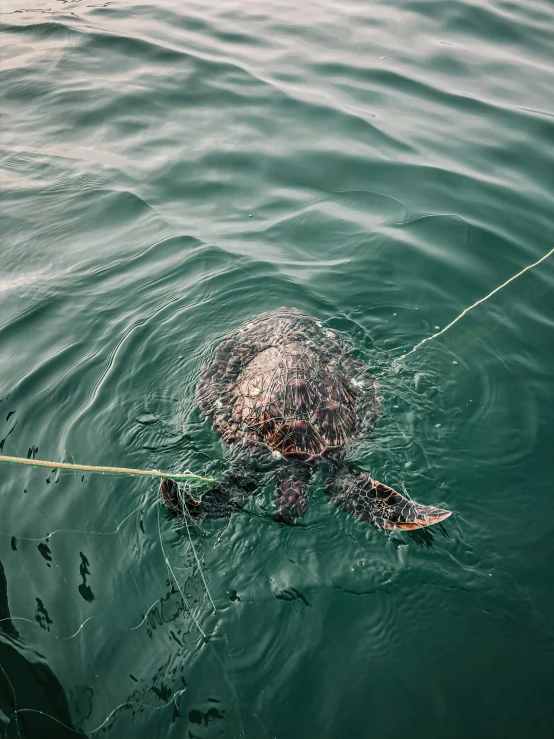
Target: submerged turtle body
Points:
(284, 389)
(285, 381)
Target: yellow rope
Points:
(482, 300)
(103, 470)
(191, 475)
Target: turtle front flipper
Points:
(371, 501)
(224, 497)
(291, 491)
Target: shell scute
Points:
(285, 381)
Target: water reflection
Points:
(32, 700)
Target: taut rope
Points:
(103, 470)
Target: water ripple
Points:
(169, 172)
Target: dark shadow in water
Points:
(424, 537)
(84, 588)
(27, 682)
(292, 594)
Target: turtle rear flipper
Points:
(291, 491)
(219, 501)
(378, 504)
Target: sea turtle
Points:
(288, 394)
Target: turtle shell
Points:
(286, 381)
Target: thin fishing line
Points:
(233, 683)
(79, 531)
(229, 670)
(89, 618)
(226, 670)
(187, 475)
(15, 710)
(478, 302)
(88, 657)
(170, 570)
(126, 704)
(81, 627)
(86, 651)
(184, 476)
(199, 565)
(127, 552)
(228, 651)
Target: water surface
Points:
(170, 170)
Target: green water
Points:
(170, 170)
